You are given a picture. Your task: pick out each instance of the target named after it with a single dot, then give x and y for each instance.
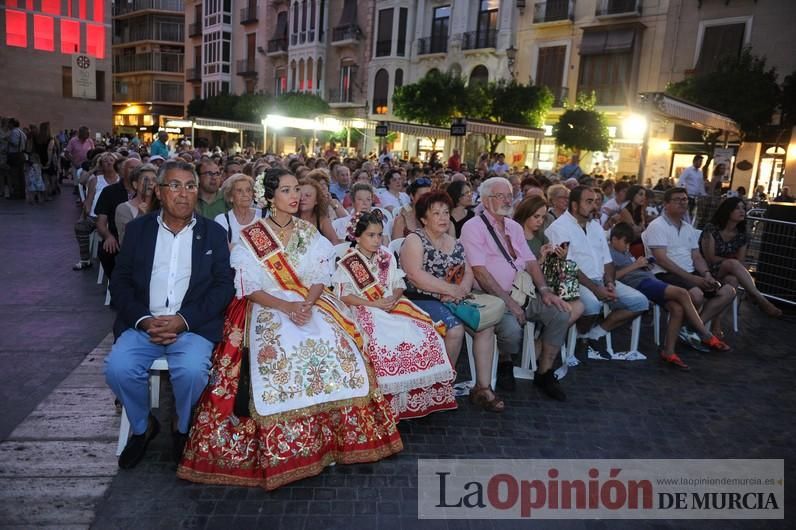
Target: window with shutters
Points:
(550, 66)
(606, 65)
(384, 36)
(718, 40)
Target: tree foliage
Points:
(740, 87)
(253, 108)
(789, 100)
(247, 108)
(510, 102)
(434, 99)
(582, 128)
(299, 105)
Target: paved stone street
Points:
(735, 405)
(50, 315)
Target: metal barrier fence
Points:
(771, 256)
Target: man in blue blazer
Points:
(171, 285)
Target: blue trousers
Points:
(127, 373)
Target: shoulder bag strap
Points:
(497, 240)
(229, 227)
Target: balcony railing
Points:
(560, 95)
(130, 6)
(346, 33)
(553, 11)
(154, 91)
(340, 96)
(194, 74)
(476, 40)
(195, 29)
(248, 15)
(148, 62)
(607, 8)
(161, 32)
(433, 44)
(277, 46)
(246, 67)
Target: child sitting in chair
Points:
(637, 274)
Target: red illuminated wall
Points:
(70, 27)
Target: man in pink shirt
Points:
(78, 147)
(495, 260)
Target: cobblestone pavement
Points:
(50, 316)
(735, 405)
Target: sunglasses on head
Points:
(422, 182)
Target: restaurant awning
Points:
(213, 124)
(687, 113)
(415, 129)
(503, 129)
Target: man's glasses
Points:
(502, 196)
(175, 186)
(211, 173)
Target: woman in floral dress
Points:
(312, 398)
(408, 353)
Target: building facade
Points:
(277, 46)
(40, 43)
(148, 64)
(413, 37)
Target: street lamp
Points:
(511, 57)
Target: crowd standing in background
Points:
(325, 298)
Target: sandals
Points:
(486, 398)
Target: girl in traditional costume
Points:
(290, 391)
(407, 352)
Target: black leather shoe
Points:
(548, 384)
(136, 446)
(505, 376)
(178, 441)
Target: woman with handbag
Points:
(407, 352)
(439, 281)
(561, 274)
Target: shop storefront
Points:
(674, 129)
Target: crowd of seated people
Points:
(312, 355)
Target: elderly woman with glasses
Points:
(405, 222)
(238, 191)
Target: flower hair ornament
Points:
(352, 226)
(259, 192)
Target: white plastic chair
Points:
(395, 245)
(468, 340)
(527, 367)
(340, 249)
(656, 317)
(635, 333)
(158, 365)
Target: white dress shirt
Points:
(691, 179)
(171, 269)
(589, 248)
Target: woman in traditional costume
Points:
(407, 352)
(290, 391)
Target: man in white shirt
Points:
(500, 168)
(674, 244)
(171, 285)
(588, 247)
(694, 183)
